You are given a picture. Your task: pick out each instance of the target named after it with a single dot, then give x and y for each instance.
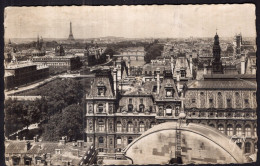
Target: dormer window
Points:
(101, 89)
(169, 92)
(141, 108)
(183, 73)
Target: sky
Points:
(166, 21)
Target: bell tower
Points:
(217, 67)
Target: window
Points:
(193, 100)
(237, 94)
(229, 130)
(100, 108)
(212, 125)
(101, 91)
(221, 128)
(219, 93)
(130, 107)
(152, 124)
(247, 147)
(118, 141)
(141, 108)
(130, 127)
(201, 93)
(130, 101)
(169, 92)
(248, 130)
(130, 139)
(246, 102)
(238, 130)
(210, 101)
(101, 126)
(183, 73)
(118, 126)
(101, 140)
(141, 126)
(141, 101)
(229, 104)
(169, 110)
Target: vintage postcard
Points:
(114, 85)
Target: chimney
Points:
(178, 79)
(34, 139)
(158, 80)
(191, 67)
(205, 70)
(115, 80)
(24, 138)
(172, 67)
(17, 138)
(243, 64)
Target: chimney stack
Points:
(24, 138)
(205, 70)
(158, 80)
(243, 64)
(115, 80)
(17, 138)
(178, 79)
(191, 67)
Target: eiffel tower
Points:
(71, 35)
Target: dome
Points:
(199, 144)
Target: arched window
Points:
(152, 124)
(100, 108)
(238, 130)
(247, 147)
(130, 127)
(141, 108)
(212, 125)
(230, 130)
(130, 107)
(221, 128)
(118, 126)
(141, 126)
(101, 140)
(118, 140)
(101, 125)
(248, 130)
(130, 139)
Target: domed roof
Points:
(199, 144)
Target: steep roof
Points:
(222, 84)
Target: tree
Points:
(153, 51)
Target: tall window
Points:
(246, 103)
(118, 141)
(238, 130)
(247, 147)
(229, 104)
(118, 126)
(130, 127)
(141, 101)
(141, 108)
(101, 125)
(141, 126)
(130, 139)
(211, 103)
(229, 130)
(101, 140)
(248, 130)
(100, 108)
(221, 128)
(130, 107)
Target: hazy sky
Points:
(131, 21)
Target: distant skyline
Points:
(168, 21)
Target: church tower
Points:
(71, 35)
(217, 67)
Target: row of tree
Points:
(59, 111)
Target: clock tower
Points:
(217, 67)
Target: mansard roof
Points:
(102, 78)
(236, 84)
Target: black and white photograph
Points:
(130, 85)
